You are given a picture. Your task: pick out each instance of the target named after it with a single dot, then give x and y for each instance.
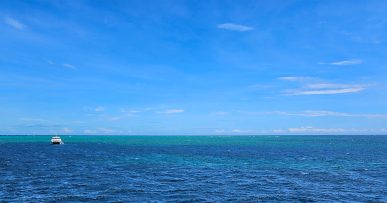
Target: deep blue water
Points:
(194, 169)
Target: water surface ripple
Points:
(194, 169)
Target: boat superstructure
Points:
(56, 140)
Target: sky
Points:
(175, 67)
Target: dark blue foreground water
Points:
(194, 169)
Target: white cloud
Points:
(67, 130)
(236, 131)
(240, 131)
(106, 130)
(100, 131)
(171, 111)
(219, 131)
(310, 129)
(319, 113)
(310, 85)
(14, 23)
(383, 116)
(124, 110)
(345, 62)
(87, 131)
(99, 109)
(294, 78)
(325, 91)
(125, 113)
(69, 66)
(114, 118)
(323, 88)
(117, 117)
(234, 27)
(308, 113)
(330, 85)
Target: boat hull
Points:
(56, 140)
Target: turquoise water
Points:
(194, 168)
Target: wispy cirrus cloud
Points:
(344, 62)
(329, 86)
(14, 23)
(125, 110)
(69, 66)
(240, 131)
(124, 113)
(99, 108)
(233, 131)
(116, 117)
(321, 130)
(88, 131)
(99, 131)
(294, 78)
(307, 113)
(234, 27)
(318, 113)
(296, 92)
(171, 111)
(63, 65)
(67, 130)
(106, 130)
(310, 113)
(50, 62)
(310, 129)
(314, 86)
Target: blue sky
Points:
(193, 67)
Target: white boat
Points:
(56, 140)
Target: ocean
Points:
(194, 169)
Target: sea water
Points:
(194, 169)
